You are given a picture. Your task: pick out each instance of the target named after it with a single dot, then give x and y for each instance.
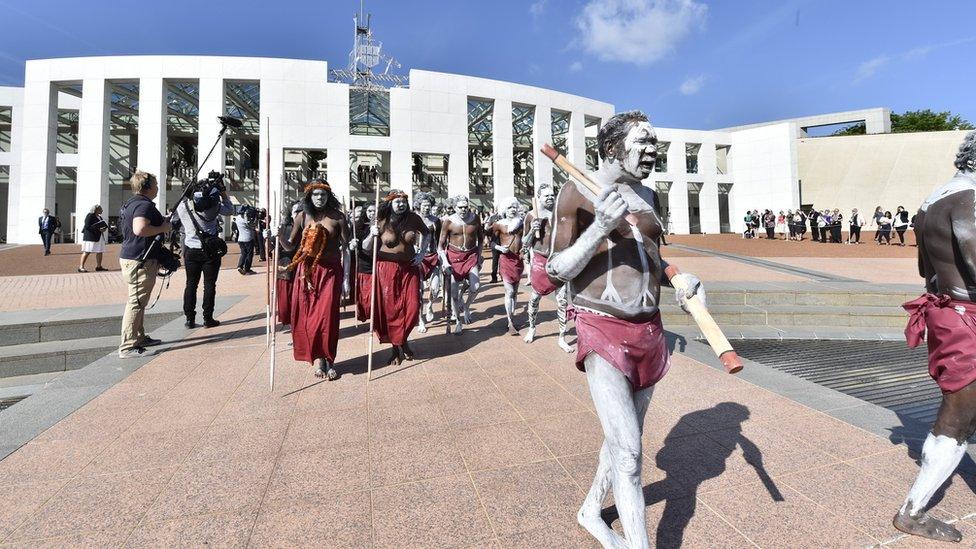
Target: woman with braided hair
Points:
(319, 239)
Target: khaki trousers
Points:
(140, 281)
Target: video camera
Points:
(205, 193)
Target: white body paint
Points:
(940, 457)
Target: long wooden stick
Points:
(273, 263)
(267, 224)
(716, 339)
(372, 286)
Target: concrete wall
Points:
(10, 201)
(864, 171)
(764, 167)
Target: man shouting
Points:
(614, 271)
(429, 273)
(537, 238)
(945, 230)
(507, 232)
(460, 249)
(402, 238)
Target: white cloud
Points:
(637, 31)
(575, 66)
(693, 85)
(868, 68)
(537, 7)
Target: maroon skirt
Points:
(283, 300)
(638, 349)
(541, 283)
(363, 281)
(429, 265)
(315, 312)
(951, 328)
(462, 262)
(511, 267)
(398, 300)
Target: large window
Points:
(661, 164)
(481, 182)
(694, 209)
(560, 142)
(4, 193)
(182, 127)
(523, 120)
(302, 166)
(67, 131)
(592, 128)
(6, 127)
(367, 169)
(242, 155)
(723, 207)
(430, 174)
(123, 142)
(369, 112)
(663, 205)
(691, 157)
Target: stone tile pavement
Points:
(484, 441)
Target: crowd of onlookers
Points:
(828, 225)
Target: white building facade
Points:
(80, 126)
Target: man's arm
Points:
(964, 231)
(141, 226)
(570, 254)
(294, 240)
(226, 207)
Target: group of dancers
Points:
(326, 255)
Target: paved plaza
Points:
(483, 441)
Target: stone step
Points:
(737, 332)
(792, 315)
(806, 297)
(54, 356)
(50, 325)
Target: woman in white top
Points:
(901, 223)
(93, 236)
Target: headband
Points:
(394, 195)
(317, 185)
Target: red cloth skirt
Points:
(541, 283)
(429, 265)
(638, 349)
(398, 300)
(462, 262)
(511, 267)
(315, 312)
(951, 327)
(363, 280)
(283, 300)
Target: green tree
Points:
(925, 120)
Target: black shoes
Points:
(210, 323)
(190, 323)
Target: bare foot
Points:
(926, 526)
(512, 330)
(422, 328)
(457, 328)
(394, 358)
(529, 337)
(332, 374)
(593, 523)
(406, 352)
(429, 314)
(563, 345)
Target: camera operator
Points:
(246, 235)
(140, 222)
(209, 201)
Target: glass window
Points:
(481, 182)
(430, 174)
(67, 131)
(590, 131)
(369, 112)
(560, 142)
(123, 142)
(661, 165)
(300, 167)
(723, 207)
(523, 157)
(663, 205)
(691, 157)
(6, 127)
(694, 211)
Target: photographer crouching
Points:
(203, 247)
(141, 222)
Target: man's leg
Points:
(562, 307)
(211, 270)
(241, 261)
(943, 450)
(533, 311)
(194, 267)
(619, 410)
(494, 265)
(457, 305)
(130, 332)
(147, 279)
(511, 293)
(474, 285)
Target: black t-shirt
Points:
(134, 247)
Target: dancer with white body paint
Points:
(536, 240)
(460, 249)
(945, 230)
(507, 233)
(614, 272)
(429, 272)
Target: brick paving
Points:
(484, 441)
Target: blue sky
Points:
(688, 63)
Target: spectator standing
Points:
(140, 222)
(836, 226)
(93, 236)
(801, 224)
(196, 260)
(875, 221)
(884, 228)
(823, 225)
(856, 222)
(259, 241)
(769, 223)
(747, 220)
(815, 224)
(901, 223)
(246, 234)
(781, 224)
(46, 225)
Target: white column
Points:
(93, 136)
(541, 134)
(338, 170)
(501, 144)
(401, 162)
(151, 155)
(38, 158)
(458, 169)
(211, 106)
(576, 147)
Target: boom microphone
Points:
(230, 121)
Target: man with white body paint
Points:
(429, 272)
(537, 240)
(507, 233)
(460, 249)
(614, 272)
(945, 230)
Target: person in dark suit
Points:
(46, 225)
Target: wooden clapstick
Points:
(716, 339)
